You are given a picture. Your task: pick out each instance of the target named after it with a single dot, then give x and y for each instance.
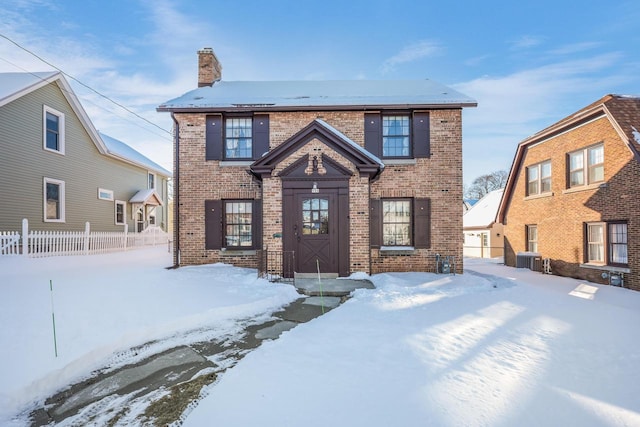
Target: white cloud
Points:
(526, 42)
(515, 106)
(411, 53)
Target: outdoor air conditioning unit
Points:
(530, 260)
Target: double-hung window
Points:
(238, 223)
(586, 166)
(53, 200)
(396, 222)
(120, 212)
(607, 243)
(539, 178)
(395, 136)
(238, 141)
(151, 180)
(532, 238)
(53, 130)
(617, 247)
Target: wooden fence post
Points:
(25, 237)
(87, 228)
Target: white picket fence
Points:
(35, 243)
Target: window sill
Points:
(237, 163)
(237, 252)
(582, 188)
(539, 196)
(606, 267)
(397, 250)
(58, 152)
(393, 162)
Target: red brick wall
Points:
(560, 217)
(438, 178)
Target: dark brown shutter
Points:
(373, 134)
(422, 223)
(375, 223)
(421, 137)
(214, 138)
(260, 135)
(257, 224)
(213, 224)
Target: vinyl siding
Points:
(24, 164)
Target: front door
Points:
(315, 231)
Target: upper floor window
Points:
(396, 222)
(395, 136)
(53, 200)
(586, 166)
(238, 138)
(539, 178)
(53, 130)
(151, 177)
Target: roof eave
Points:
(331, 107)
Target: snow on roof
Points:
(145, 196)
(281, 94)
(636, 134)
(483, 213)
(12, 84)
(351, 142)
(120, 149)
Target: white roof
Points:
(483, 213)
(120, 149)
(308, 93)
(16, 85)
(351, 142)
(144, 197)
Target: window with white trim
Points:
(53, 200)
(595, 242)
(539, 178)
(120, 212)
(104, 194)
(151, 181)
(586, 166)
(532, 238)
(53, 130)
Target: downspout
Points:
(176, 195)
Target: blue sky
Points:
(528, 64)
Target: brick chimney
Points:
(209, 69)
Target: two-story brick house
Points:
(350, 176)
(572, 194)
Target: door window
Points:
(315, 216)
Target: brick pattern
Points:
(438, 178)
(560, 218)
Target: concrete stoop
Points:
(106, 397)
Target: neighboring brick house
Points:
(356, 176)
(572, 194)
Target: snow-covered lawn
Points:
(496, 346)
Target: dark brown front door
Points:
(315, 232)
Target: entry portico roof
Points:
(146, 197)
(365, 162)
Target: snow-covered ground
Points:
(496, 346)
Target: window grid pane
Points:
(395, 136)
(315, 216)
(238, 220)
(238, 141)
(396, 223)
(595, 241)
(618, 243)
(53, 132)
